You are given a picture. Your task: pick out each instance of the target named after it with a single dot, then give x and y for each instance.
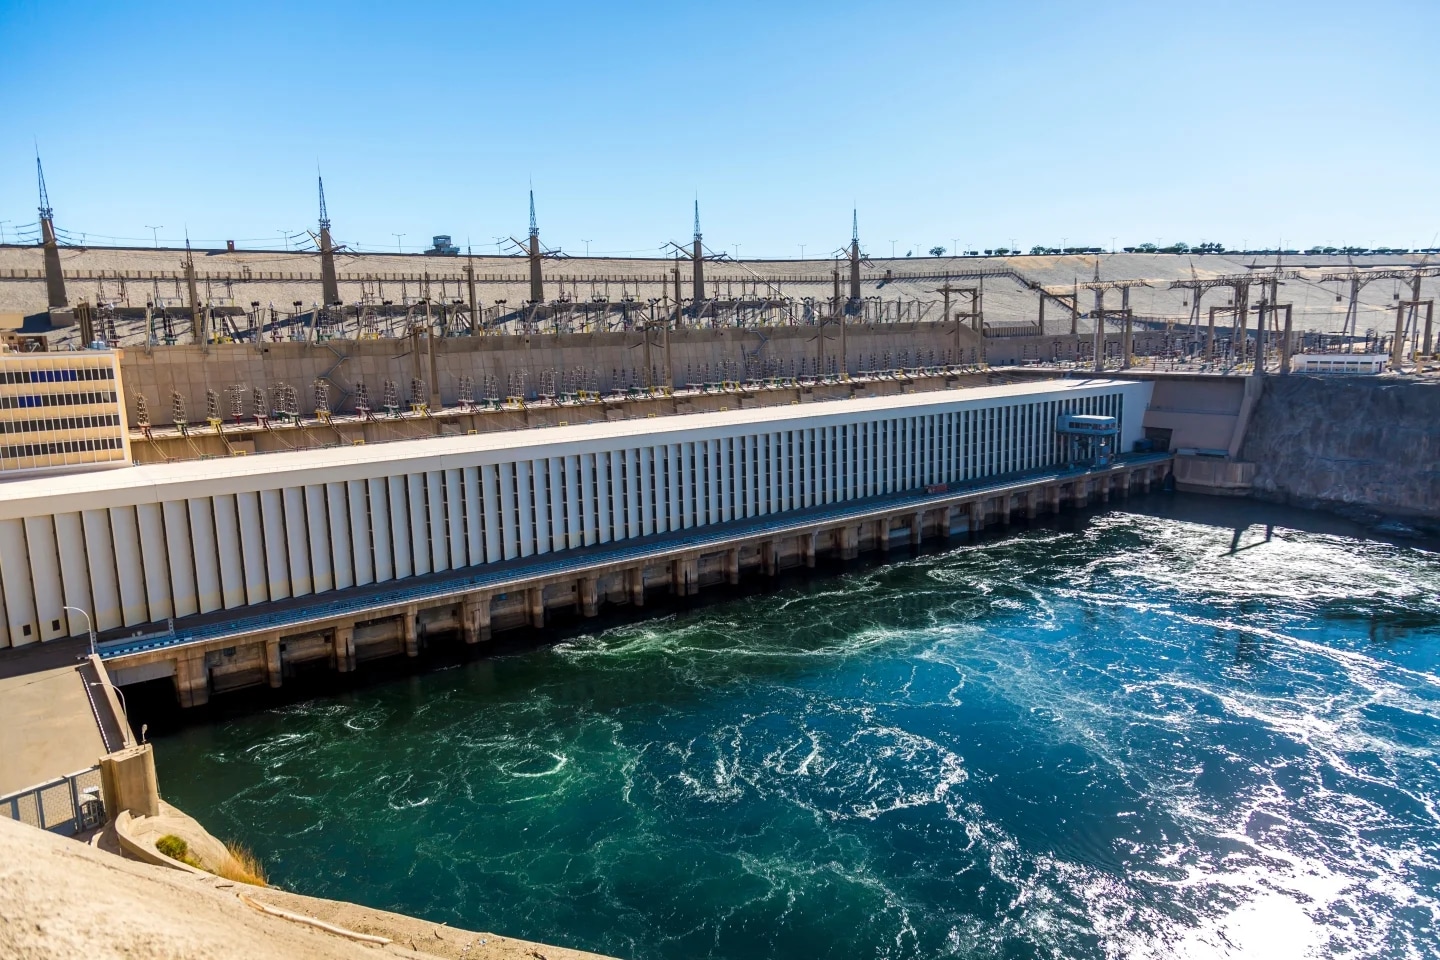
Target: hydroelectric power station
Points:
(229, 573)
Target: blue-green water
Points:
(1112, 739)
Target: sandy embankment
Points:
(63, 898)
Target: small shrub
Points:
(177, 849)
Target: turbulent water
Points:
(1133, 736)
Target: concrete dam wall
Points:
(1366, 442)
(525, 364)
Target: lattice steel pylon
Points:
(1100, 287)
(1239, 285)
(54, 275)
(1360, 278)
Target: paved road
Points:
(49, 727)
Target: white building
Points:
(1370, 363)
(152, 542)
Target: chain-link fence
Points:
(66, 805)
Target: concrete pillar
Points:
(588, 589)
(767, 558)
(535, 602)
(1104, 484)
(1125, 480)
(977, 515)
(684, 576)
(192, 679)
(482, 616)
(1006, 506)
(1052, 497)
(127, 782)
(917, 528)
(635, 583)
(849, 543)
(732, 566)
(475, 617)
(343, 645)
(1145, 480)
(410, 631)
(273, 668)
(1032, 505)
(882, 534)
(807, 549)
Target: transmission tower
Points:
(1358, 280)
(329, 283)
(1100, 314)
(54, 276)
(1239, 285)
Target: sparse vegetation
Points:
(177, 849)
(243, 866)
(937, 251)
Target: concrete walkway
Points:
(49, 729)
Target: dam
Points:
(610, 520)
(241, 506)
(227, 573)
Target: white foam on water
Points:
(1258, 786)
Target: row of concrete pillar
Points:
(404, 629)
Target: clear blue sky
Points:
(1037, 122)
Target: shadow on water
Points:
(1252, 517)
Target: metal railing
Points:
(66, 805)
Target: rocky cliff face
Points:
(1358, 442)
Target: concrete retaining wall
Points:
(1359, 441)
